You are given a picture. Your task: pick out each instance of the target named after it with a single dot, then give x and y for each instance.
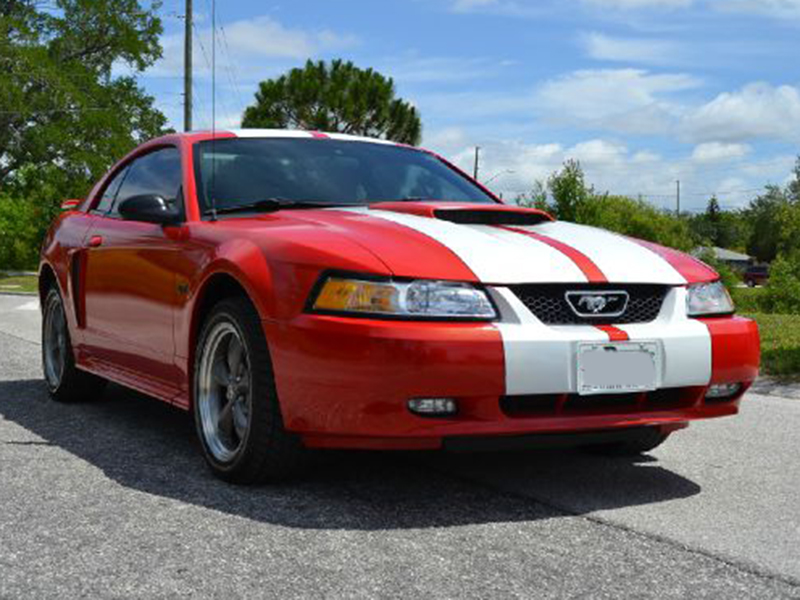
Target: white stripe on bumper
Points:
(540, 359)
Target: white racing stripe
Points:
(540, 359)
(620, 259)
(686, 343)
(493, 254)
(301, 134)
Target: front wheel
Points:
(65, 382)
(236, 408)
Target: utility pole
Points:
(187, 68)
(678, 198)
(477, 158)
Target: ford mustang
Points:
(299, 290)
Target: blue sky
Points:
(642, 92)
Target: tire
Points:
(237, 413)
(751, 283)
(643, 441)
(65, 382)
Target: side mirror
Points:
(149, 208)
(67, 205)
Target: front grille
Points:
(552, 405)
(549, 303)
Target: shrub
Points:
(728, 276)
(21, 230)
(782, 294)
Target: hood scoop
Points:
(491, 217)
(468, 213)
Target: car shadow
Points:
(148, 446)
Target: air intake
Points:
(490, 217)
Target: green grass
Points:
(28, 283)
(747, 299)
(780, 344)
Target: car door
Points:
(130, 285)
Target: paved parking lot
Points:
(111, 498)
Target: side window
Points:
(107, 199)
(156, 173)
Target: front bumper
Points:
(345, 382)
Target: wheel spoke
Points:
(240, 417)
(225, 420)
(220, 373)
(234, 355)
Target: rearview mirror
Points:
(149, 208)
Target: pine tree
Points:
(336, 97)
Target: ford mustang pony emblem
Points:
(598, 304)
(593, 303)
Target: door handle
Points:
(95, 241)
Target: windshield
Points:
(245, 171)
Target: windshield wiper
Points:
(268, 205)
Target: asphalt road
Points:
(112, 499)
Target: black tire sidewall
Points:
(53, 295)
(235, 312)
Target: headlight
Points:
(412, 299)
(703, 299)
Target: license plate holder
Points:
(617, 367)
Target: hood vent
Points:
(491, 217)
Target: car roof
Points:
(207, 134)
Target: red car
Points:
(756, 275)
(301, 290)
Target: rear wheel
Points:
(643, 441)
(65, 382)
(236, 408)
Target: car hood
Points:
(500, 244)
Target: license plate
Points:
(617, 368)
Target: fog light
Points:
(723, 390)
(433, 407)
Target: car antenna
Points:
(213, 110)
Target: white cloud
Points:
(771, 8)
(632, 4)
(249, 42)
(511, 8)
(631, 50)
(469, 5)
(717, 151)
(758, 110)
(413, 69)
(612, 166)
(629, 100)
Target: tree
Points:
(337, 97)
(765, 215)
(573, 200)
(793, 188)
(536, 198)
(569, 192)
(63, 114)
